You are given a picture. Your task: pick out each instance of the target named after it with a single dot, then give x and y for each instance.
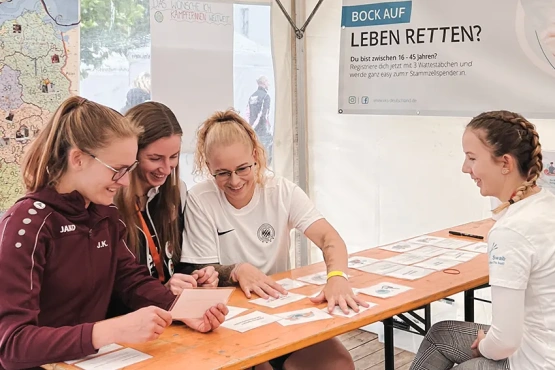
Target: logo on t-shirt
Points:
(494, 257)
(266, 233)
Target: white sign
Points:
(447, 58)
(192, 60)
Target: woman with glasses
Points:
(62, 251)
(239, 221)
(154, 200)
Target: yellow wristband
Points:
(337, 273)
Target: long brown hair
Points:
(77, 123)
(510, 133)
(225, 128)
(157, 122)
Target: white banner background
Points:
(192, 60)
(503, 59)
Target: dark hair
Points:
(157, 121)
(510, 133)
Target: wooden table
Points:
(180, 348)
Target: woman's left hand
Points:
(338, 292)
(475, 346)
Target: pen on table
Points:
(457, 233)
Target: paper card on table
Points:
(438, 263)
(278, 302)
(401, 247)
(249, 321)
(410, 273)
(289, 284)
(101, 351)
(381, 268)
(426, 239)
(193, 303)
(479, 247)
(355, 292)
(407, 258)
(234, 311)
(461, 256)
(384, 290)
(359, 261)
(430, 251)
(452, 243)
(114, 360)
(302, 316)
(320, 278)
(337, 311)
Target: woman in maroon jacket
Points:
(62, 248)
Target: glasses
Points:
(118, 174)
(241, 171)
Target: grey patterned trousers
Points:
(448, 343)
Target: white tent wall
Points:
(379, 179)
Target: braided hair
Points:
(510, 133)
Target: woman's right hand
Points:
(143, 325)
(253, 280)
(178, 282)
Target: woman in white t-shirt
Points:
(239, 221)
(504, 158)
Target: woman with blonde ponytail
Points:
(503, 156)
(239, 221)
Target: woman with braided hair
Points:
(503, 157)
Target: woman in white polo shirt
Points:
(504, 158)
(239, 221)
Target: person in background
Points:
(240, 219)
(139, 93)
(63, 249)
(258, 113)
(504, 159)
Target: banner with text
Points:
(192, 60)
(455, 58)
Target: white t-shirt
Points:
(259, 233)
(521, 249)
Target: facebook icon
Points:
(364, 100)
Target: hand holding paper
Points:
(195, 303)
(211, 320)
(140, 326)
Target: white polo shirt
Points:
(521, 249)
(259, 233)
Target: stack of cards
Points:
(192, 303)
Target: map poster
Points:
(39, 68)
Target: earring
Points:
(505, 171)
